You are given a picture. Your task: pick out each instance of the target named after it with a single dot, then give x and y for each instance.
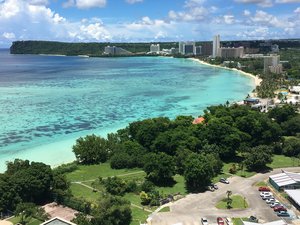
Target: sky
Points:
(147, 20)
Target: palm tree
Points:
(229, 200)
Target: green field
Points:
(281, 161)
(33, 221)
(91, 172)
(138, 216)
(241, 173)
(237, 221)
(238, 202)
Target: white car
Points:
(274, 204)
(204, 221)
(265, 193)
(270, 200)
(267, 196)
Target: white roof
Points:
(295, 195)
(285, 178)
(277, 222)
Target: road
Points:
(190, 209)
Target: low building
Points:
(57, 221)
(251, 101)
(294, 197)
(295, 89)
(285, 180)
(155, 48)
(115, 51)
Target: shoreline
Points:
(256, 79)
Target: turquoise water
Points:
(46, 102)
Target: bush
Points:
(78, 204)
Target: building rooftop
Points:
(295, 195)
(277, 222)
(285, 178)
(57, 221)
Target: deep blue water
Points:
(46, 102)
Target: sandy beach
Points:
(256, 79)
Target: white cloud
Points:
(9, 35)
(297, 10)
(193, 3)
(229, 19)
(38, 22)
(246, 13)
(85, 4)
(256, 33)
(262, 3)
(134, 1)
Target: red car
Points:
(279, 208)
(264, 189)
(220, 221)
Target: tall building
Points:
(154, 48)
(181, 47)
(206, 49)
(198, 50)
(231, 52)
(272, 64)
(216, 46)
(189, 48)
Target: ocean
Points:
(47, 102)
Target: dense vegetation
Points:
(164, 147)
(68, 48)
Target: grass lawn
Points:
(178, 187)
(244, 173)
(89, 172)
(280, 161)
(237, 203)
(165, 209)
(84, 192)
(261, 183)
(33, 221)
(138, 215)
(237, 221)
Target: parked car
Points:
(211, 188)
(204, 221)
(267, 196)
(270, 200)
(253, 219)
(283, 214)
(279, 208)
(274, 204)
(228, 221)
(220, 221)
(264, 189)
(265, 193)
(224, 180)
(214, 186)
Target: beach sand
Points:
(256, 79)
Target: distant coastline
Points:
(257, 80)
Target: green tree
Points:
(91, 149)
(26, 212)
(229, 199)
(291, 126)
(258, 157)
(160, 168)
(282, 114)
(291, 146)
(115, 185)
(112, 210)
(198, 172)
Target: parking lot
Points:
(189, 210)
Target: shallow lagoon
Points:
(46, 102)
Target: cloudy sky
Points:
(147, 20)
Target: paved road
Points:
(190, 209)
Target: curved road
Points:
(190, 209)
